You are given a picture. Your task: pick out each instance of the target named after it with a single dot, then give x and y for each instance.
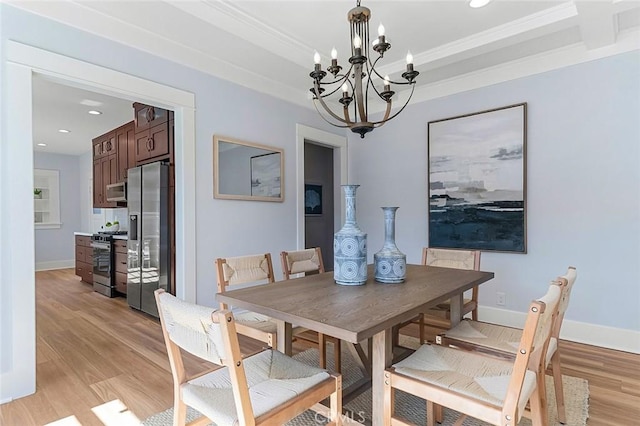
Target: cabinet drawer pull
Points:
(150, 114)
(150, 144)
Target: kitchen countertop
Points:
(83, 234)
(120, 237)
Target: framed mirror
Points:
(247, 171)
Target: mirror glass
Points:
(247, 171)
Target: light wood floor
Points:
(92, 350)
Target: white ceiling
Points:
(268, 45)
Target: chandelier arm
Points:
(381, 122)
(345, 126)
(358, 93)
(342, 79)
(332, 92)
(326, 108)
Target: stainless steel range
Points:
(103, 262)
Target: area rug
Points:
(411, 407)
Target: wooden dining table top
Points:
(354, 313)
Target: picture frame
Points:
(477, 180)
(312, 199)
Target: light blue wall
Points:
(224, 228)
(56, 245)
(583, 185)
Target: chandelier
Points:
(360, 79)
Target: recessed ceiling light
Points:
(42, 144)
(91, 103)
(94, 112)
(478, 3)
(64, 131)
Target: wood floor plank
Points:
(93, 351)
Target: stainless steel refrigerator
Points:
(148, 246)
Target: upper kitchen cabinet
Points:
(152, 134)
(105, 170)
(104, 145)
(126, 150)
(147, 116)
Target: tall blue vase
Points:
(390, 263)
(350, 245)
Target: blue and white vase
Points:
(350, 246)
(390, 263)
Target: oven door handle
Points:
(101, 246)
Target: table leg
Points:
(456, 303)
(284, 337)
(382, 355)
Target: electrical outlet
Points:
(501, 298)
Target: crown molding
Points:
(92, 21)
(230, 18)
(548, 61)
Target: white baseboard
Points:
(57, 264)
(575, 331)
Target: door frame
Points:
(17, 269)
(340, 157)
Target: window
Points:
(46, 198)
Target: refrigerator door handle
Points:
(133, 227)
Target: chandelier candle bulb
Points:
(387, 86)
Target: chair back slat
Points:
(191, 328)
(301, 261)
(449, 258)
(533, 345)
(253, 269)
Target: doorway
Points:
(319, 203)
(16, 203)
(335, 148)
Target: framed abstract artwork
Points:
(312, 199)
(265, 175)
(477, 180)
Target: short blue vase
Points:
(390, 263)
(350, 245)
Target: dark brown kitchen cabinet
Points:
(126, 150)
(84, 258)
(147, 116)
(120, 260)
(104, 145)
(104, 173)
(105, 167)
(152, 144)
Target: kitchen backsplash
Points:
(102, 216)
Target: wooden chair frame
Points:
(322, 338)
(553, 362)
(530, 356)
(330, 388)
(223, 283)
(424, 319)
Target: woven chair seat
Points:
(493, 336)
(473, 375)
(272, 378)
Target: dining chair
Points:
(243, 271)
(440, 315)
(309, 261)
(266, 388)
(487, 388)
(499, 340)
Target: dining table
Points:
(356, 313)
